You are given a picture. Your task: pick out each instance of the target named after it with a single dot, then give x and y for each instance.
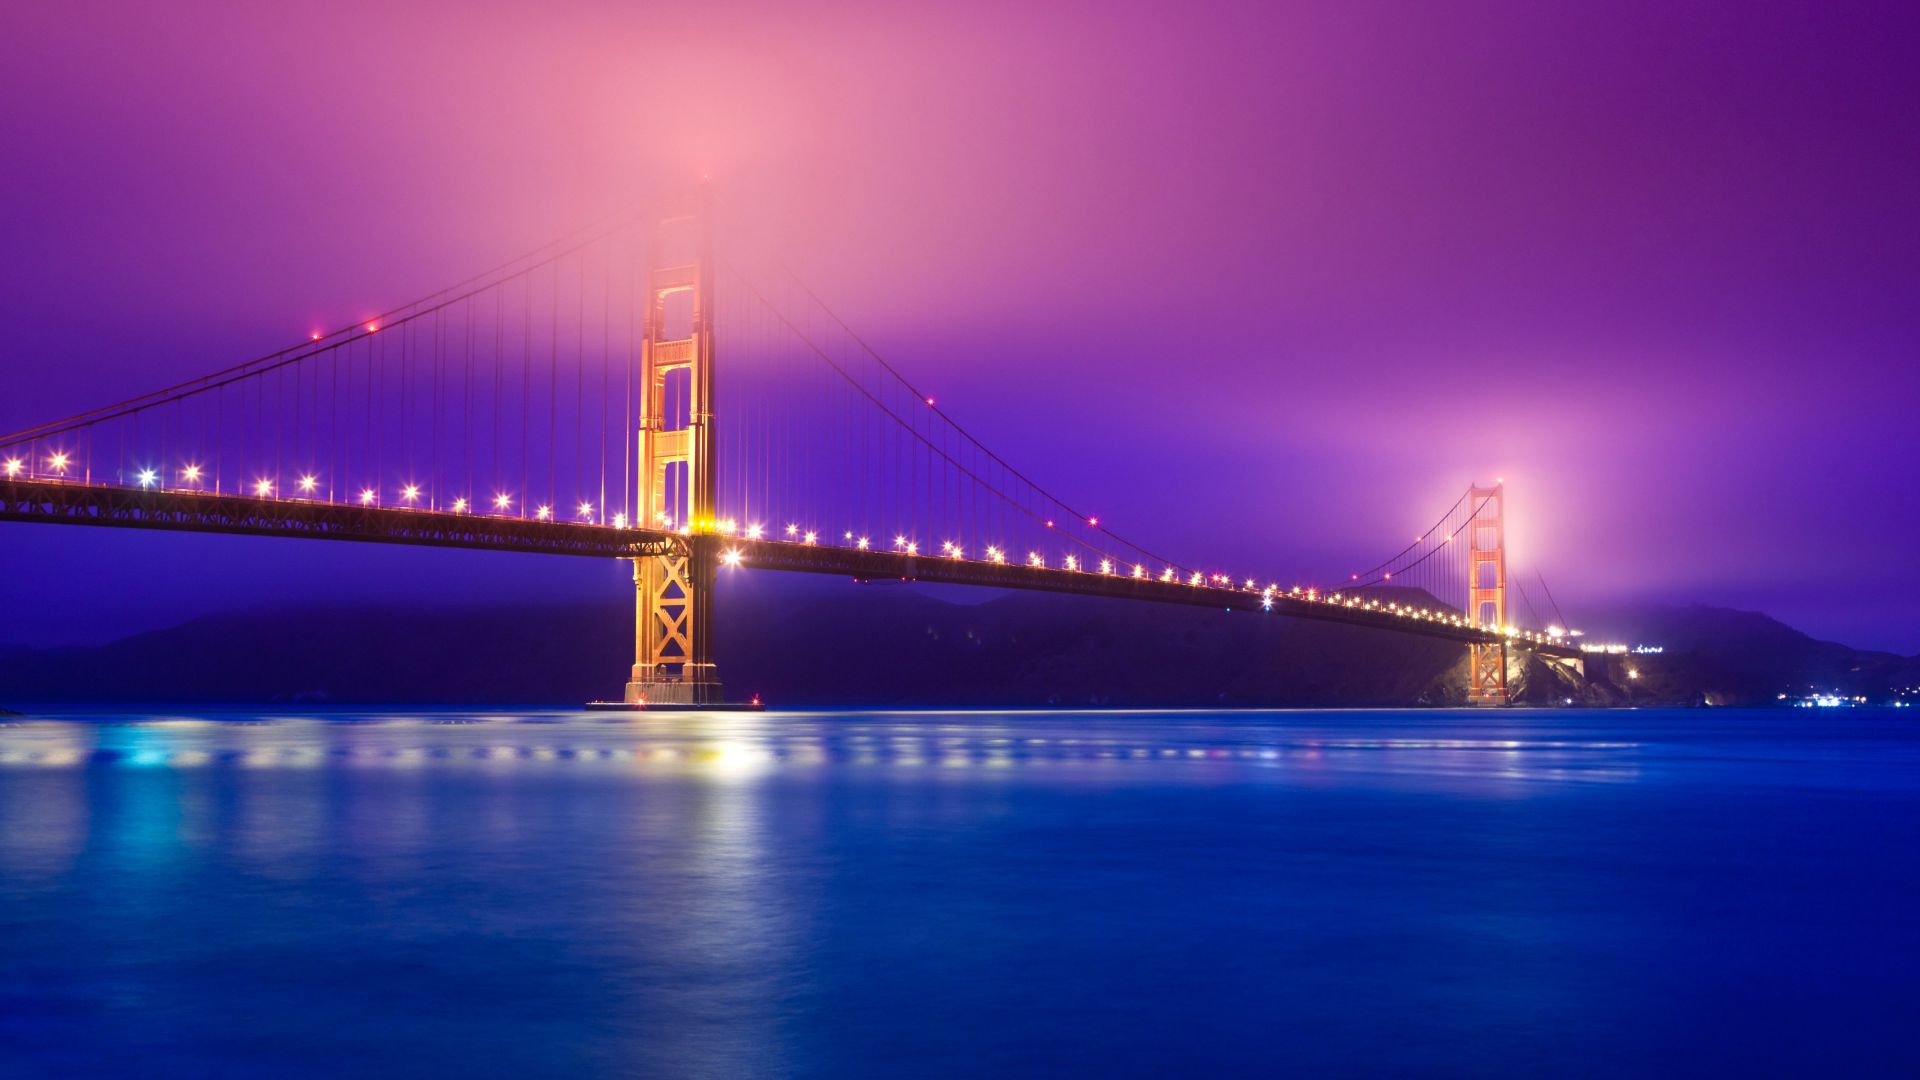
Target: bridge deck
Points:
(73, 503)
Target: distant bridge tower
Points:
(673, 631)
(1487, 593)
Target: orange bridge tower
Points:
(673, 626)
(1487, 594)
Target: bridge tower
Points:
(1487, 593)
(673, 625)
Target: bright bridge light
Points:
(730, 557)
(586, 510)
(367, 495)
(959, 552)
(58, 461)
(502, 502)
(755, 532)
(1106, 566)
(147, 477)
(913, 547)
(994, 554)
(460, 505)
(543, 513)
(1167, 574)
(191, 474)
(307, 482)
(410, 492)
(1073, 563)
(861, 543)
(810, 537)
(13, 466)
(1034, 559)
(619, 521)
(793, 530)
(1139, 571)
(263, 487)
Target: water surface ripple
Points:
(299, 893)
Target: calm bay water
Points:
(919, 894)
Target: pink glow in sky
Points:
(1287, 277)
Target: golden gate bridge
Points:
(588, 399)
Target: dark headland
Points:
(898, 646)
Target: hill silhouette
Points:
(893, 644)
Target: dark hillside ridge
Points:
(899, 646)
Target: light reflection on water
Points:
(730, 743)
(816, 893)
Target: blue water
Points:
(960, 894)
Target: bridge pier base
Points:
(673, 628)
(1487, 675)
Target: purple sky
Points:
(1269, 284)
